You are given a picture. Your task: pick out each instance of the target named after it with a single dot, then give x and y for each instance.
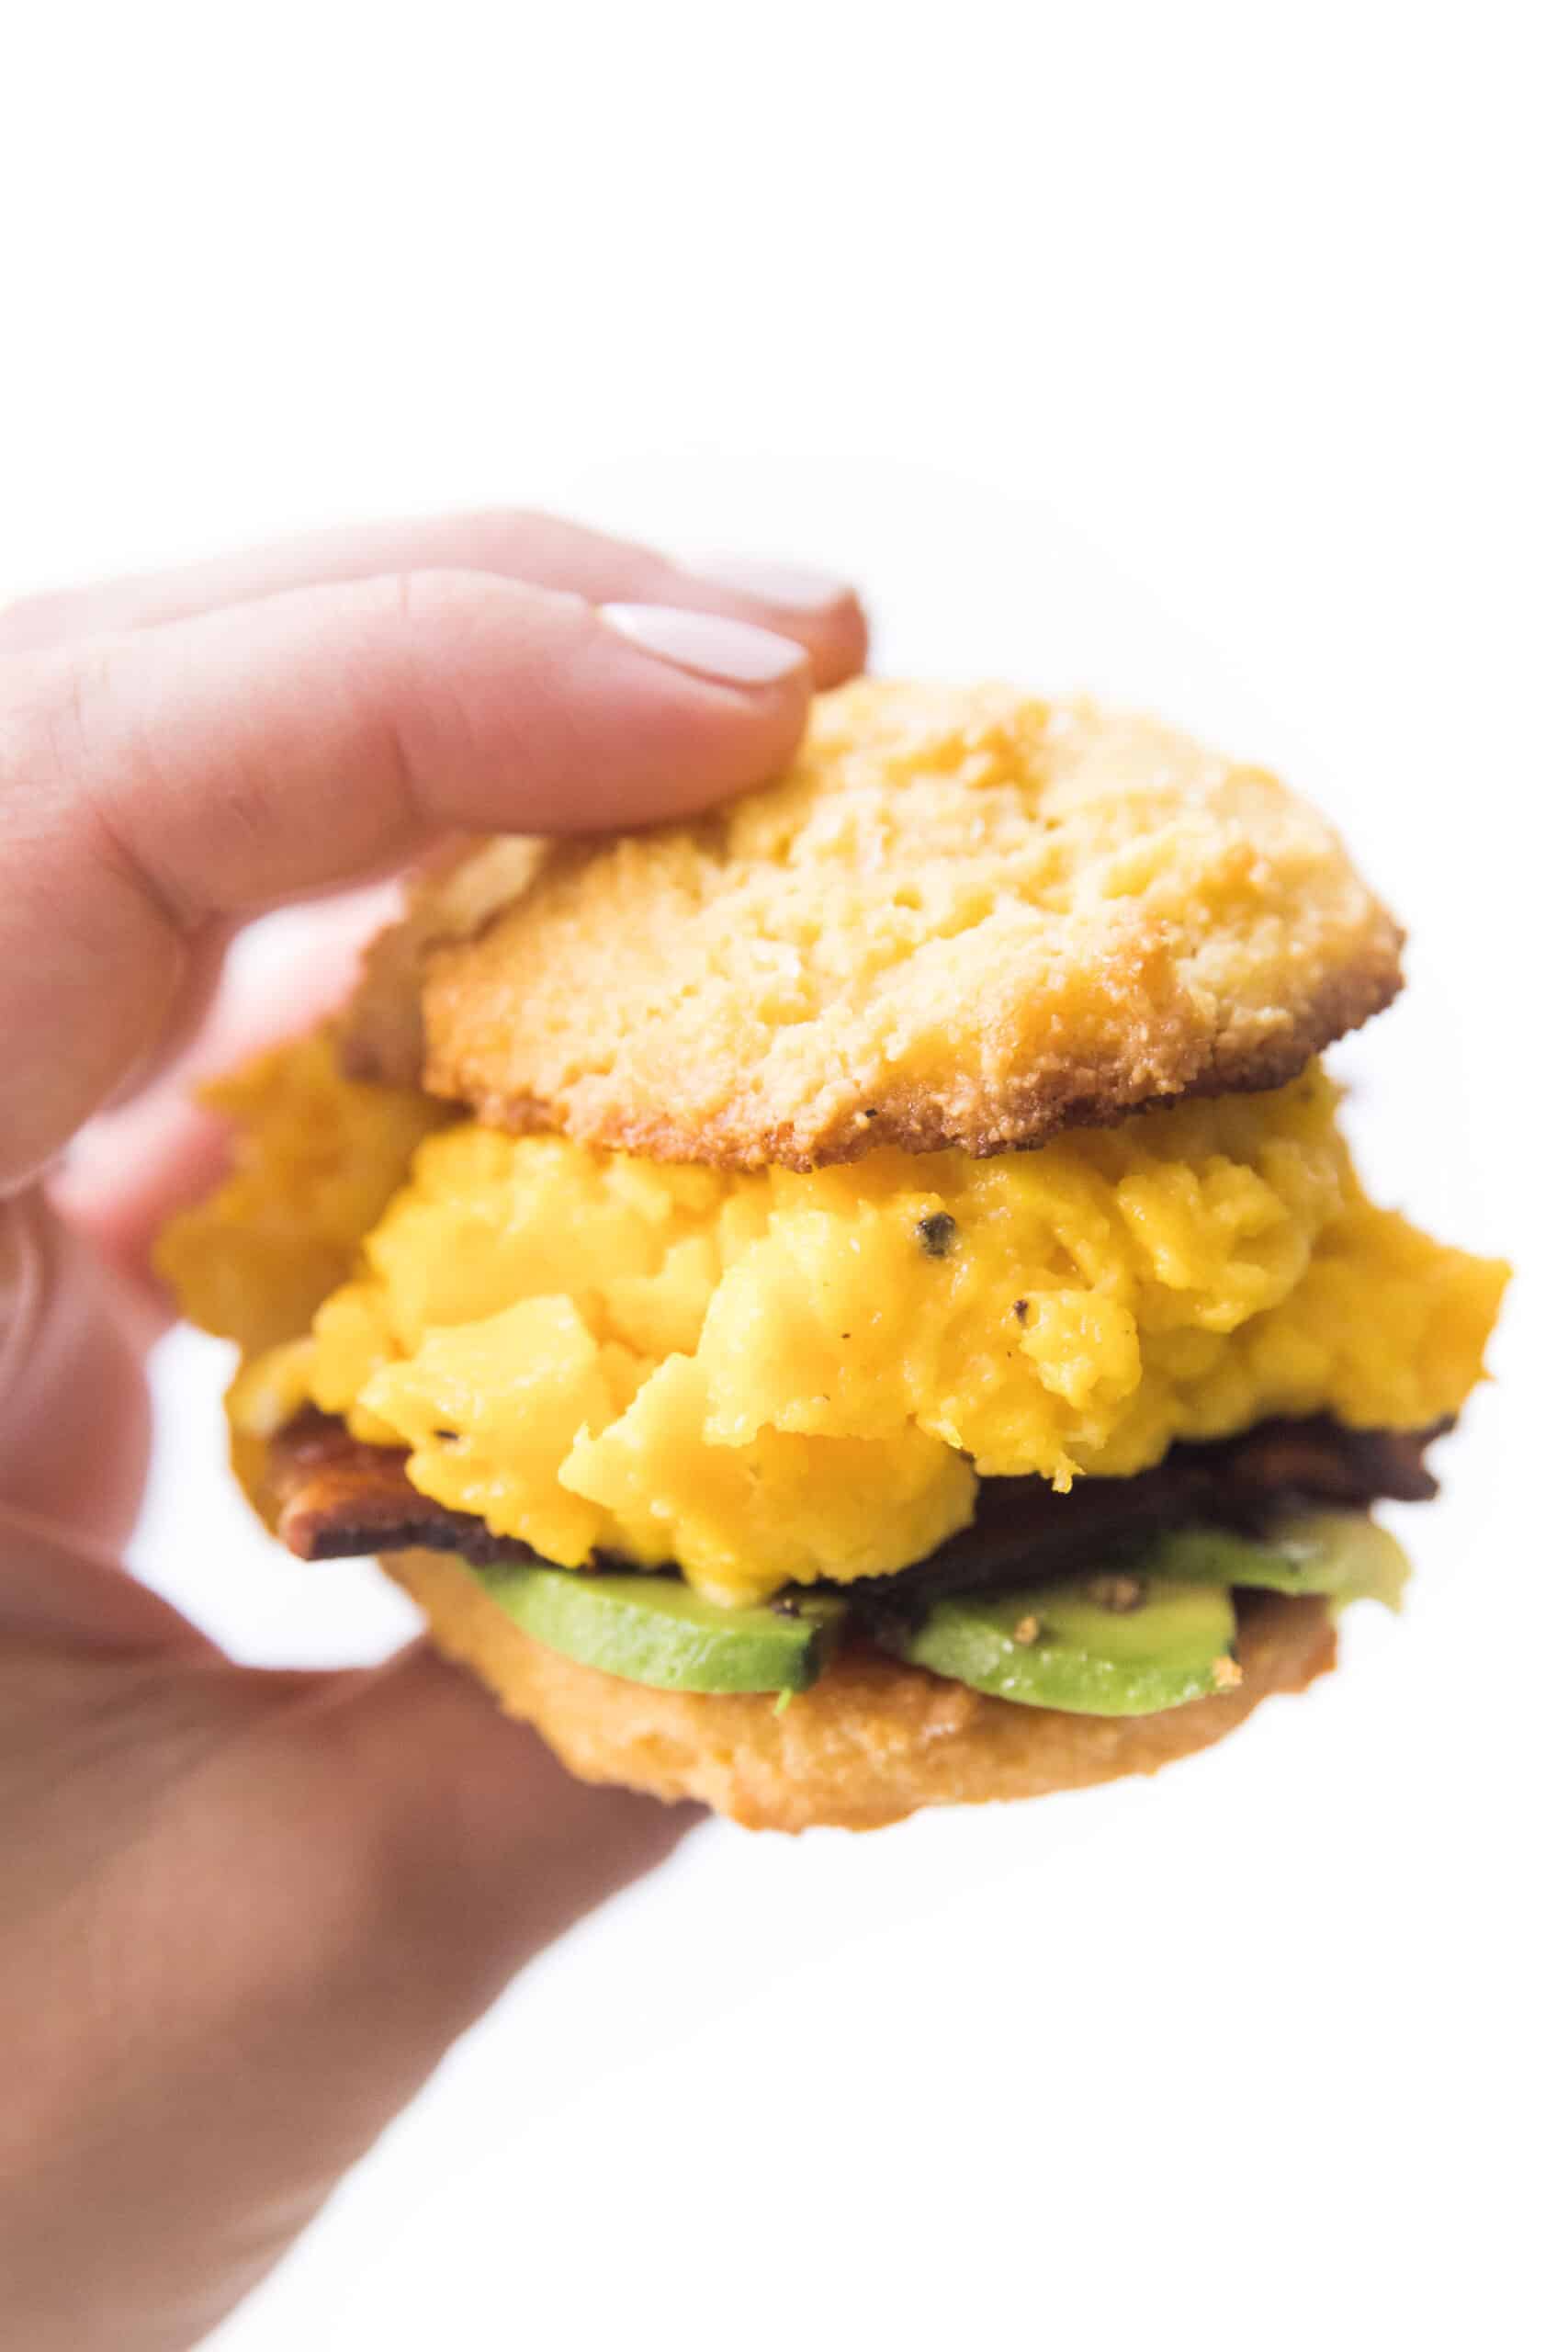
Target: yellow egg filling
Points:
(770, 1378)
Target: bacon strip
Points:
(334, 1498)
(1238, 1482)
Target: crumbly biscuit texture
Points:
(871, 1742)
(965, 917)
(454, 896)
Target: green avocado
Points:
(656, 1630)
(1341, 1553)
(1113, 1643)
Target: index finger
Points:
(543, 550)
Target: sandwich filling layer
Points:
(774, 1379)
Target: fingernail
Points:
(731, 650)
(793, 587)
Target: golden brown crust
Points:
(453, 898)
(963, 917)
(871, 1742)
(1081, 1095)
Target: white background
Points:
(1205, 354)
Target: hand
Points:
(242, 1914)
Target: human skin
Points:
(244, 1913)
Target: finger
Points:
(473, 1815)
(822, 612)
(258, 1909)
(164, 1155)
(207, 961)
(151, 783)
(54, 1595)
(238, 993)
(75, 1421)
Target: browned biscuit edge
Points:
(1236, 1062)
(873, 1741)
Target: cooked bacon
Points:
(334, 1498)
(1020, 1525)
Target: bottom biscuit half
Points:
(871, 1742)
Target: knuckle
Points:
(435, 591)
(427, 600)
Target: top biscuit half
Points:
(965, 917)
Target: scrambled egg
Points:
(775, 1377)
(317, 1157)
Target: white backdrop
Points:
(1207, 355)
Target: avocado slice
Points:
(1117, 1642)
(656, 1630)
(1341, 1553)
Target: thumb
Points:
(245, 1914)
(482, 1842)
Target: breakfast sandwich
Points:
(860, 1300)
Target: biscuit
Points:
(965, 917)
(871, 1742)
